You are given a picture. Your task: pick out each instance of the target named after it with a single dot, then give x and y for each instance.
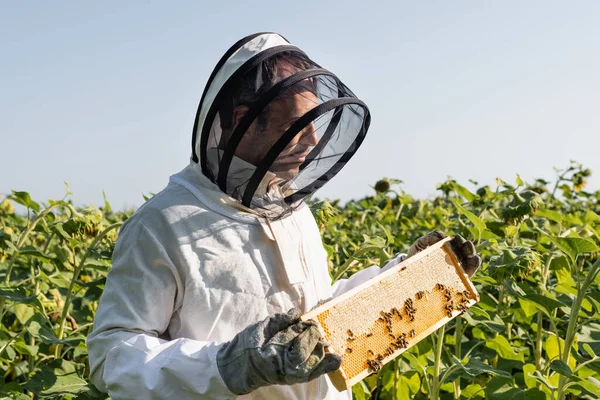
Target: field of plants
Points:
(534, 335)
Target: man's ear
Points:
(238, 114)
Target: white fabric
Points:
(237, 59)
(189, 272)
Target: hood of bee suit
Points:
(273, 126)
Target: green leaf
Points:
(591, 216)
(24, 199)
(504, 349)
(500, 388)
(473, 391)
(38, 327)
(528, 307)
(542, 303)
(411, 381)
(23, 348)
(500, 182)
(550, 214)
(89, 392)
(562, 368)
(58, 281)
(377, 242)
(574, 247)
(12, 247)
(476, 367)
(519, 181)
(12, 395)
(329, 249)
(480, 312)
(57, 378)
(475, 220)
(540, 378)
(23, 312)
(19, 295)
(29, 251)
(414, 361)
(589, 350)
(360, 392)
(591, 385)
(464, 192)
(528, 371)
(530, 394)
(388, 235)
(485, 280)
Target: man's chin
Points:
(286, 173)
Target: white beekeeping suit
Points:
(215, 251)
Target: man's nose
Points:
(309, 135)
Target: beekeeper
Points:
(210, 275)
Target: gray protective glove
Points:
(464, 250)
(278, 350)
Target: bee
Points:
(413, 333)
(348, 350)
(370, 352)
(369, 334)
(350, 333)
(392, 336)
(439, 286)
(419, 295)
(374, 365)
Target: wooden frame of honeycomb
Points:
(375, 322)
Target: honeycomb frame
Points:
(375, 322)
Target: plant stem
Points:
(76, 272)
(395, 392)
(435, 389)
(499, 312)
(23, 238)
(458, 339)
(572, 327)
(540, 332)
(538, 344)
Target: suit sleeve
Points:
(128, 357)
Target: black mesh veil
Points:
(273, 126)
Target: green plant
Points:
(534, 335)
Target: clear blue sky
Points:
(102, 95)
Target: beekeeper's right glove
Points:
(278, 350)
(464, 249)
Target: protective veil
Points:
(273, 126)
(193, 267)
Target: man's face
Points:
(282, 114)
